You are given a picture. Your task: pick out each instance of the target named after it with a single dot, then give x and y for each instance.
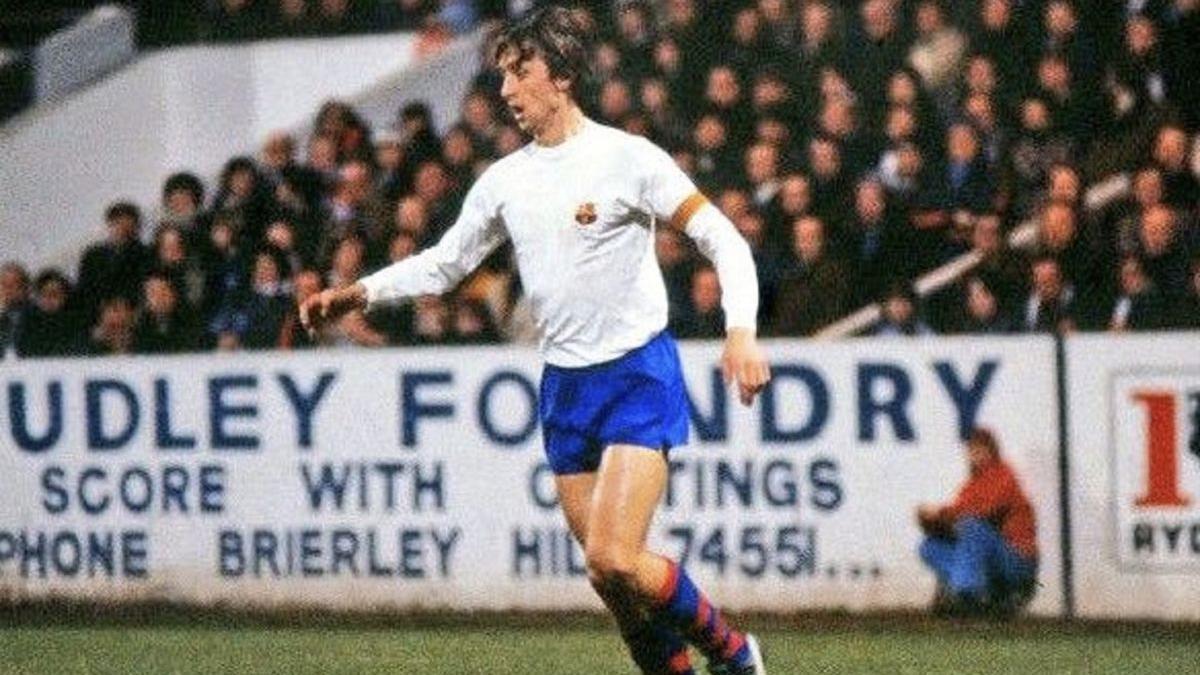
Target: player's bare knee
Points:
(611, 567)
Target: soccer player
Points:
(580, 204)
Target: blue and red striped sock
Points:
(658, 650)
(682, 606)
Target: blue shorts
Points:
(638, 399)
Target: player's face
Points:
(532, 94)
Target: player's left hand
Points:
(743, 361)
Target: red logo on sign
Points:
(1162, 451)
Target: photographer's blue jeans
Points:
(978, 556)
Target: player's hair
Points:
(557, 35)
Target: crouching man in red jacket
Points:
(983, 545)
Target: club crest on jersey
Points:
(586, 213)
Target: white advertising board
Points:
(1135, 475)
(416, 478)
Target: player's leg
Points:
(655, 648)
(629, 485)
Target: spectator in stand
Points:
(982, 545)
(348, 262)
(820, 43)
(968, 181)
(442, 198)
(1065, 34)
(338, 121)
(836, 120)
(1050, 307)
(827, 180)
(724, 97)
(1002, 39)
(183, 204)
(814, 287)
(225, 282)
(1139, 306)
(245, 195)
(900, 313)
(913, 115)
(762, 173)
(1166, 252)
(615, 102)
(355, 209)
(903, 172)
(15, 310)
(715, 158)
(165, 325)
(478, 115)
(460, 156)
(1002, 269)
(322, 160)
(981, 115)
(52, 328)
(878, 48)
(415, 124)
(635, 38)
(280, 239)
(1058, 235)
(115, 266)
(703, 318)
(1071, 111)
(1124, 218)
(666, 124)
(393, 176)
(982, 311)
(269, 302)
(1140, 65)
(1038, 146)
(874, 243)
(412, 217)
(747, 48)
(173, 259)
(113, 332)
(793, 200)
(1181, 189)
(937, 51)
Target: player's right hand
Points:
(314, 311)
(321, 309)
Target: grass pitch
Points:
(574, 645)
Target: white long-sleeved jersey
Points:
(581, 216)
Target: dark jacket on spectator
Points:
(107, 271)
(810, 297)
(165, 335)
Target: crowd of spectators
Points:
(855, 145)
